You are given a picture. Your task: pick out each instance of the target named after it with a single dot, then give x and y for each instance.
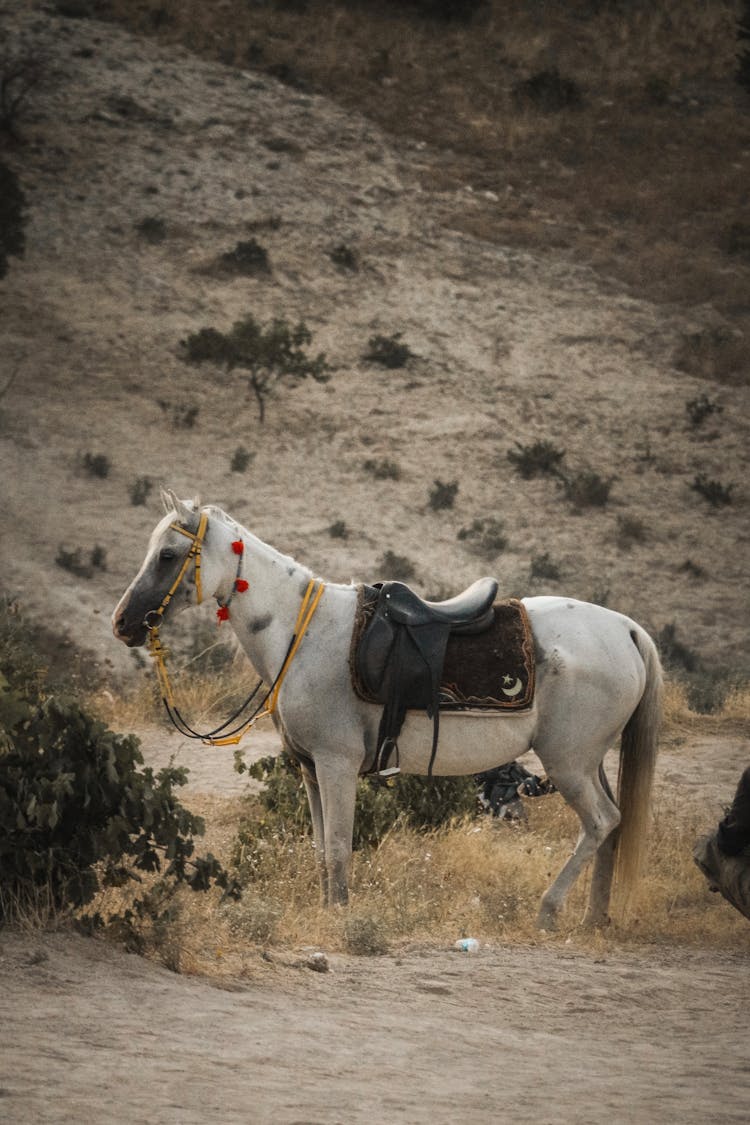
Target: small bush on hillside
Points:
(140, 490)
(544, 569)
(96, 464)
(388, 351)
(587, 489)
(75, 562)
(344, 258)
(267, 353)
(248, 259)
(717, 494)
(484, 537)
(396, 566)
(630, 530)
(338, 530)
(241, 458)
(541, 458)
(12, 218)
(443, 495)
(718, 352)
(383, 469)
(736, 239)
(700, 408)
(183, 415)
(152, 229)
(21, 72)
(548, 91)
(674, 653)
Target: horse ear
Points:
(172, 503)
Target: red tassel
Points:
(238, 547)
(223, 613)
(241, 585)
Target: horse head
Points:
(166, 579)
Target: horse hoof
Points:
(547, 920)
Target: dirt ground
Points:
(536, 1034)
(508, 347)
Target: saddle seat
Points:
(469, 611)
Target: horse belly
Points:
(468, 743)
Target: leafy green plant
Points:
(78, 813)
(443, 495)
(268, 354)
(541, 458)
(484, 537)
(388, 351)
(717, 494)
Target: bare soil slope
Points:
(509, 347)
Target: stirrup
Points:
(381, 768)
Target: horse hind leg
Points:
(599, 818)
(597, 911)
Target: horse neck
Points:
(264, 616)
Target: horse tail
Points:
(638, 748)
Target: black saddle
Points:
(399, 659)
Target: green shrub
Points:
(700, 408)
(338, 530)
(241, 458)
(152, 229)
(96, 465)
(630, 530)
(268, 354)
(384, 469)
(248, 259)
(74, 560)
(420, 803)
(344, 258)
(77, 813)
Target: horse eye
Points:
(167, 553)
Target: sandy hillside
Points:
(508, 347)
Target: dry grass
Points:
(479, 878)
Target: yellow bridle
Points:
(310, 603)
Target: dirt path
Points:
(528, 1035)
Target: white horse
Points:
(598, 677)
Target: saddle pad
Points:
(492, 670)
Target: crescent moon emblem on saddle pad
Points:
(512, 691)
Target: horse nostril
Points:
(119, 623)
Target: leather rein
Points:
(222, 735)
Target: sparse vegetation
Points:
(586, 489)
(396, 566)
(388, 351)
(548, 91)
(540, 458)
(382, 468)
(485, 537)
(338, 530)
(12, 217)
(630, 530)
(267, 353)
(248, 259)
(76, 563)
(443, 495)
(241, 459)
(544, 569)
(152, 229)
(717, 494)
(140, 490)
(182, 415)
(344, 257)
(721, 353)
(22, 70)
(96, 464)
(701, 408)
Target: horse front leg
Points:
(319, 839)
(338, 792)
